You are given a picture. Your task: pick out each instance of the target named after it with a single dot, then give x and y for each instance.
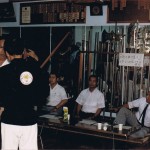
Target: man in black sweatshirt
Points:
(22, 86)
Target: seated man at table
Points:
(140, 119)
(57, 98)
(90, 101)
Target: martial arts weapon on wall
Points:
(135, 92)
(131, 35)
(89, 52)
(80, 70)
(54, 50)
(94, 55)
(96, 47)
(124, 71)
(82, 63)
(88, 59)
(105, 56)
(107, 72)
(99, 66)
(116, 70)
(131, 71)
(85, 63)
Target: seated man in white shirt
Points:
(90, 101)
(57, 98)
(139, 120)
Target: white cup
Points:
(120, 127)
(105, 126)
(99, 126)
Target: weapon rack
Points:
(100, 56)
(52, 12)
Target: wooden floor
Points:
(53, 139)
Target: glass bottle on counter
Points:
(65, 118)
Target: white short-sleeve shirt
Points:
(91, 101)
(57, 94)
(141, 103)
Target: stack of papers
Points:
(48, 116)
(89, 122)
(124, 127)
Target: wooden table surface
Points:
(90, 130)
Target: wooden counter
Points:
(112, 132)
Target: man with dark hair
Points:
(90, 101)
(21, 89)
(57, 98)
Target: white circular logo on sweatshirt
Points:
(26, 78)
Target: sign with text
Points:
(26, 15)
(131, 59)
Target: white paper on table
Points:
(50, 116)
(89, 122)
(124, 127)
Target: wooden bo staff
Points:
(54, 50)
